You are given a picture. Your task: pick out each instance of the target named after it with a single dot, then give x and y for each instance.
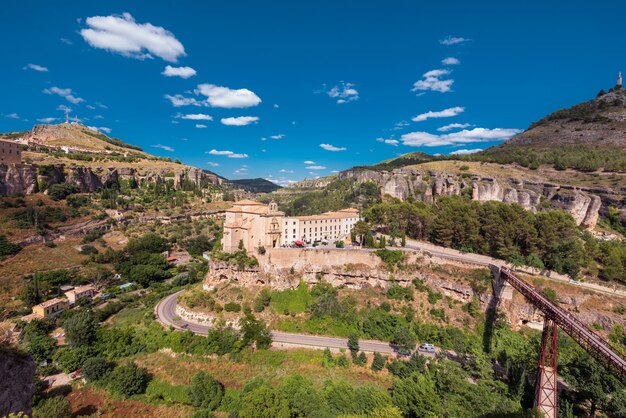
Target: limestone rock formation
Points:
(17, 373)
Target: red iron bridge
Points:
(556, 317)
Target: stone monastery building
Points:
(259, 225)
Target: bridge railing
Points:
(594, 344)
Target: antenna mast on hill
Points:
(67, 117)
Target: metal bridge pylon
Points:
(546, 386)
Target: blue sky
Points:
(292, 89)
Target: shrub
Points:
(232, 307)
(205, 391)
(262, 300)
(128, 380)
(88, 250)
(55, 407)
(7, 247)
(80, 328)
(60, 191)
(379, 362)
(95, 368)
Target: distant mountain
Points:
(258, 185)
(586, 137)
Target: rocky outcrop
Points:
(28, 178)
(16, 179)
(403, 183)
(17, 373)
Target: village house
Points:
(87, 292)
(51, 307)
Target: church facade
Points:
(258, 225)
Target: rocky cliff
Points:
(17, 373)
(29, 178)
(403, 183)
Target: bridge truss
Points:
(555, 316)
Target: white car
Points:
(428, 348)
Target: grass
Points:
(161, 391)
(270, 365)
(291, 300)
(318, 326)
(128, 316)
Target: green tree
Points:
(416, 397)
(80, 329)
(379, 362)
(128, 380)
(353, 343)
(95, 368)
(404, 339)
(385, 412)
(254, 330)
(205, 391)
(55, 407)
(303, 397)
(262, 300)
(264, 402)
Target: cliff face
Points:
(402, 183)
(26, 178)
(17, 374)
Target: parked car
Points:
(428, 348)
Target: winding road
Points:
(165, 311)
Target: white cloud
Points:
(163, 147)
(12, 116)
(279, 136)
(98, 117)
(276, 106)
(425, 139)
(309, 162)
(452, 126)
(182, 72)
(227, 98)
(194, 116)
(344, 93)
(453, 40)
(450, 61)
(239, 121)
(47, 120)
(90, 107)
(102, 105)
(241, 171)
(316, 167)
(179, 100)
(432, 81)
(446, 113)
(466, 151)
(200, 126)
(35, 67)
(228, 154)
(393, 142)
(212, 164)
(400, 125)
(66, 41)
(66, 93)
(329, 147)
(121, 34)
(105, 129)
(286, 171)
(64, 108)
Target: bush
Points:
(55, 407)
(60, 191)
(7, 247)
(95, 368)
(379, 362)
(232, 307)
(262, 300)
(88, 250)
(205, 391)
(128, 380)
(80, 329)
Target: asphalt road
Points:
(166, 313)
